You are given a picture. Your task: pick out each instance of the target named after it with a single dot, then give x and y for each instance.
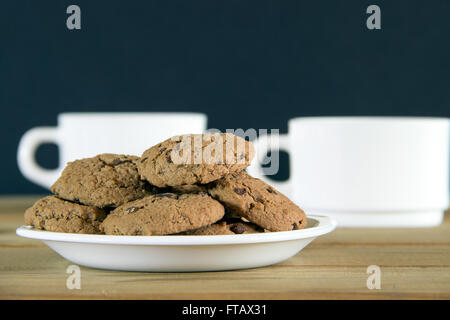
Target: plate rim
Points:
(325, 225)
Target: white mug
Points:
(81, 135)
(366, 171)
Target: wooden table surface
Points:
(414, 264)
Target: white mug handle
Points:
(28, 145)
(264, 144)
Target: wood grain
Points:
(415, 264)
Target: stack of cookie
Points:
(186, 185)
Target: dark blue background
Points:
(246, 63)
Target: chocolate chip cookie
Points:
(224, 228)
(57, 215)
(106, 180)
(162, 214)
(195, 159)
(258, 202)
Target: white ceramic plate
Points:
(181, 253)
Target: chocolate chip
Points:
(131, 209)
(238, 228)
(162, 150)
(142, 160)
(260, 200)
(239, 191)
(271, 191)
(116, 162)
(294, 226)
(169, 158)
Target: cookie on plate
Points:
(106, 180)
(224, 228)
(258, 202)
(53, 214)
(195, 159)
(162, 214)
